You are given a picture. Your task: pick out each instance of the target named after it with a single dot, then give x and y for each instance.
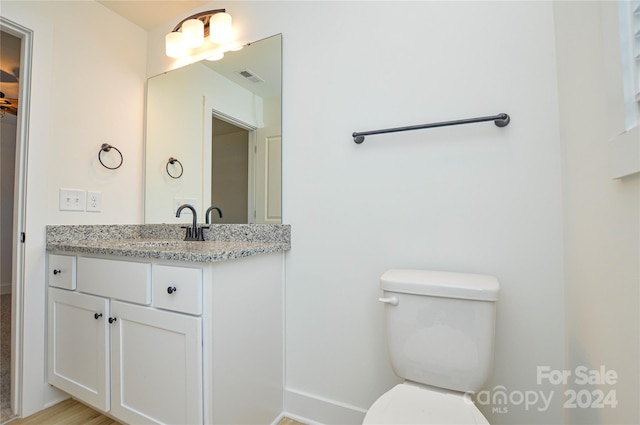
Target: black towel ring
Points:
(172, 161)
(106, 148)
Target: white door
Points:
(156, 365)
(78, 346)
(269, 181)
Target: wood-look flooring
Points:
(5, 357)
(68, 412)
(72, 412)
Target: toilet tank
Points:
(441, 331)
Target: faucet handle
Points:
(200, 234)
(188, 234)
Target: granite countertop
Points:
(163, 242)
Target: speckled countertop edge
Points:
(223, 241)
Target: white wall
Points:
(602, 216)
(86, 89)
(95, 95)
(470, 199)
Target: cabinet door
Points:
(78, 346)
(156, 366)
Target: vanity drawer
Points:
(177, 288)
(122, 280)
(62, 271)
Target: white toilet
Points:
(440, 334)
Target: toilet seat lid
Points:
(408, 404)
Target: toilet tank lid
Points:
(441, 284)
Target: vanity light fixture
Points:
(211, 29)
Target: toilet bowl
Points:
(440, 338)
(408, 404)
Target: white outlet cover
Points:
(181, 201)
(94, 201)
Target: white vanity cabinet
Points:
(169, 342)
(108, 348)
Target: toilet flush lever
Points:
(390, 300)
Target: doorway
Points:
(10, 47)
(15, 66)
(230, 171)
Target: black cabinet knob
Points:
(171, 289)
(57, 271)
(112, 319)
(97, 316)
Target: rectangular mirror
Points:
(213, 137)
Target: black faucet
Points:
(193, 233)
(207, 215)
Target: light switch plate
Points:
(72, 200)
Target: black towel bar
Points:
(501, 120)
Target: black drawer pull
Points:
(171, 289)
(112, 319)
(97, 316)
(57, 271)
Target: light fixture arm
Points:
(205, 17)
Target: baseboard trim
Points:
(314, 410)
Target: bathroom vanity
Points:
(152, 329)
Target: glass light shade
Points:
(174, 46)
(220, 28)
(193, 32)
(233, 46)
(216, 56)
